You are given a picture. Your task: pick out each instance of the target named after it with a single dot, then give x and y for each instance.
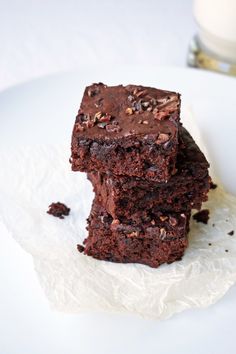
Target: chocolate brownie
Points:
(58, 210)
(161, 239)
(129, 197)
(127, 130)
(202, 216)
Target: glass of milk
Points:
(214, 47)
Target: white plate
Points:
(43, 111)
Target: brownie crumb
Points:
(226, 250)
(213, 185)
(209, 244)
(202, 216)
(231, 233)
(80, 248)
(213, 225)
(58, 210)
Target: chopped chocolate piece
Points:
(128, 242)
(80, 248)
(130, 196)
(93, 90)
(123, 145)
(231, 233)
(113, 128)
(202, 216)
(209, 244)
(162, 138)
(58, 210)
(129, 111)
(226, 250)
(213, 185)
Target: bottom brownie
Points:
(163, 239)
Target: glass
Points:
(214, 47)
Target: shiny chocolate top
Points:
(119, 111)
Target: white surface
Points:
(40, 37)
(25, 315)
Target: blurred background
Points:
(39, 37)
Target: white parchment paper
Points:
(33, 177)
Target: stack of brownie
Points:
(147, 173)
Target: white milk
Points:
(217, 26)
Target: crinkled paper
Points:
(33, 177)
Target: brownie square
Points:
(127, 130)
(131, 197)
(160, 239)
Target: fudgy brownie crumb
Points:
(202, 216)
(58, 210)
(80, 248)
(231, 233)
(213, 185)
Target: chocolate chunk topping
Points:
(87, 121)
(98, 103)
(160, 115)
(163, 217)
(231, 233)
(94, 89)
(58, 210)
(143, 101)
(92, 92)
(78, 127)
(130, 98)
(104, 118)
(133, 234)
(162, 138)
(103, 104)
(113, 128)
(162, 233)
(114, 224)
(173, 221)
(102, 125)
(129, 111)
(202, 216)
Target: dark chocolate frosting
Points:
(118, 111)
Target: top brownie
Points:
(127, 130)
